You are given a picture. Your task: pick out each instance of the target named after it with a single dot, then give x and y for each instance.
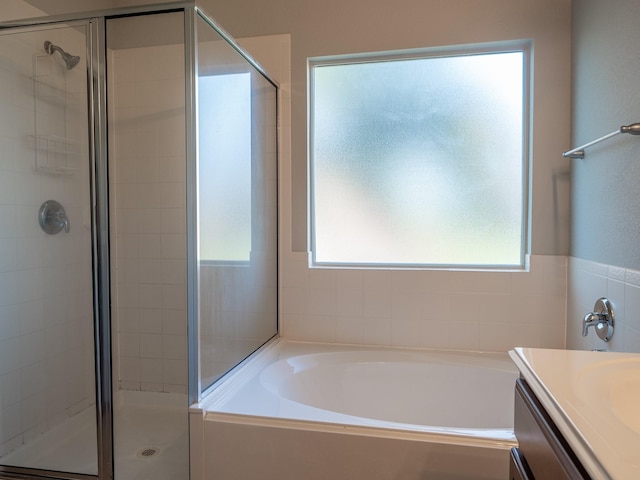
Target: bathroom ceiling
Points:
(68, 6)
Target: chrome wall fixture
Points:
(69, 60)
(602, 319)
(578, 152)
(53, 218)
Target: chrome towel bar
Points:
(578, 152)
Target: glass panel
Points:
(225, 196)
(237, 206)
(419, 161)
(146, 118)
(47, 377)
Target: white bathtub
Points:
(307, 411)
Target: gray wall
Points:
(348, 26)
(606, 183)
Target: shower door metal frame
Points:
(192, 14)
(96, 118)
(98, 155)
(102, 272)
(95, 23)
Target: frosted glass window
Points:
(225, 167)
(419, 161)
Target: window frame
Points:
(522, 46)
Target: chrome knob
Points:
(52, 218)
(602, 319)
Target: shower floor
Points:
(150, 440)
(145, 422)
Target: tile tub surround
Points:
(289, 439)
(589, 281)
(462, 310)
(149, 218)
(472, 310)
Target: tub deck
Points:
(251, 411)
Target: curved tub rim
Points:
(210, 405)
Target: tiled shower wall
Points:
(492, 311)
(46, 321)
(487, 311)
(148, 217)
(589, 281)
(466, 310)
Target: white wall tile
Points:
(464, 336)
(149, 246)
(631, 340)
(322, 279)
(174, 371)
(352, 280)
(349, 329)
(151, 296)
(9, 323)
(173, 220)
(174, 321)
(406, 331)
(377, 330)
(32, 348)
(174, 297)
(322, 328)
(322, 301)
(172, 195)
(632, 306)
(590, 281)
(171, 169)
(130, 370)
(173, 272)
(10, 388)
(407, 303)
(8, 254)
(8, 220)
(149, 220)
(149, 271)
(293, 301)
(173, 246)
(150, 345)
(350, 302)
(151, 370)
(429, 308)
(31, 315)
(11, 420)
(8, 288)
(129, 344)
(482, 282)
(150, 320)
(174, 347)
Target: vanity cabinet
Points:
(543, 453)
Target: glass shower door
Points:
(47, 374)
(237, 204)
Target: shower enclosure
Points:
(138, 235)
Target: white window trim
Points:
(523, 45)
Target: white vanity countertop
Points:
(594, 399)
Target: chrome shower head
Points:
(69, 60)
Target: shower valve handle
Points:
(601, 318)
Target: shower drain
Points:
(147, 452)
